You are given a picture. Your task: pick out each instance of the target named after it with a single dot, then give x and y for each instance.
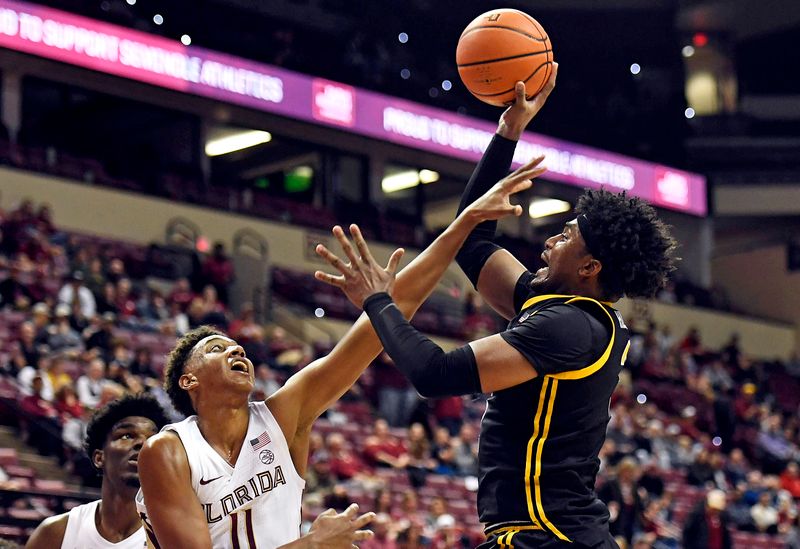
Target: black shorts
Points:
(511, 538)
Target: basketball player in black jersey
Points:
(551, 373)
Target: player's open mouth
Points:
(240, 366)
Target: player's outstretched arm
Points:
(491, 269)
(49, 534)
(312, 390)
(173, 510)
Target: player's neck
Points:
(116, 518)
(224, 428)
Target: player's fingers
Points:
(347, 248)
(363, 520)
(517, 210)
(521, 186)
(361, 535)
(361, 244)
(519, 90)
(351, 511)
(327, 513)
(337, 281)
(394, 261)
(551, 84)
(332, 258)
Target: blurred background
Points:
(169, 164)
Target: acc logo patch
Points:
(266, 457)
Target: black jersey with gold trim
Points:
(540, 440)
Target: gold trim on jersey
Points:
(592, 368)
(504, 541)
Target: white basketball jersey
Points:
(81, 532)
(254, 505)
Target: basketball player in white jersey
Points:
(229, 476)
(113, 440)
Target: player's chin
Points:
(131, 480)
(541, 275)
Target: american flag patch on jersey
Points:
(259, 442)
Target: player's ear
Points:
(590, 267)
(97, 459)
(187, 381)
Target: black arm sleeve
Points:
(493, 167)
(431, 371)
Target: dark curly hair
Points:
(105, 418)
(176, 362)
(633, 244)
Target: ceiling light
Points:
(688, 51)
(186, 39)
(400, 181)
(158, 19)
(689, 112)
(542, 207)
(428, 176)
(636, 68)
(237, 142)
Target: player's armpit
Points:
(172, 505)
(49, 534)
(500, 365)
(497, 282)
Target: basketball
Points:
(498, 49)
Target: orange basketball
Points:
(500, 48)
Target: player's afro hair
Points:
(634, 246)
(176, 363)
(105, 418)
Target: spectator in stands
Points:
(384, 537)
(218, 271)
(738, 510)
(790, 479)
(44, 427)
(26, 376)
(477, 322)
(396, 398)
(27, 343)
(623, 497)
(412, 537)
(181, 294)
(465, 448)
(57, 374)
(16, 361)
(436, 510)
(126, 299)
(67, 403)
(792, 365)
(116, 270)
(707, 525)
(448, 534)
(90, 385)
(95, 278)
(152, 308)
(264, 383)
(775, 449)
(78, 322)
(113, 441)
(442, 452)
(381, 449)
(40, 317)
(337, 498)
(101, 336)
(344, 463)
(736, 467)
(107, 300)
(61, 336)
(142, 363)
(74, 290)
(420, 462)
(448, 412)
(14, 294)
(764, 514)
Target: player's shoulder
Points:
(163, 446)
(50, 533)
